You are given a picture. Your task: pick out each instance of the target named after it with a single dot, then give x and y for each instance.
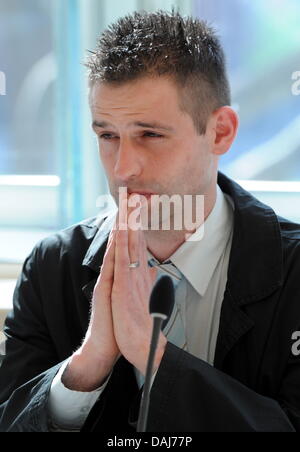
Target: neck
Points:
(162, 244)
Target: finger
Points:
(111, 239)
(106, 276)
(143, 249)
(121, 268)
(134, 226)
(153, 274)
(122, 213)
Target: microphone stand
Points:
(161, 305)
(144, 410)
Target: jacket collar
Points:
(256, 259)
(255, 266)
(94, 256)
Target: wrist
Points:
(85, 373)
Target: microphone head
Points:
(162, 297)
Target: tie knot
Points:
(168, 268)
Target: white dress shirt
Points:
(202, 265)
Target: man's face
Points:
(147, 143)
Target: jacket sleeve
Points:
(190, 395)
(31, 362)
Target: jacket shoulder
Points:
(289, 229)
(73, 241)
(290, 240)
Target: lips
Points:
(146, 194)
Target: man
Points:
(160, 100)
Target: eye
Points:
(109, 136)
(106, 136)
(152, 135)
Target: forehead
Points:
(140, 95)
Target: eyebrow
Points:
(145, 125)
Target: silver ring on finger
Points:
(134, 264)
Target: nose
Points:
(128, 164)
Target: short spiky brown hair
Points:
(165, 44)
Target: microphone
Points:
(161, 305)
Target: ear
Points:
(224, 124)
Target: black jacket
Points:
(255, 382)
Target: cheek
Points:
(195, 169)
(199, 158)
(107, 160)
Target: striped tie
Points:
(174, 330)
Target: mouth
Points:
(147, 195)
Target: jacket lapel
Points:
(95, 254)
(234, 324)
(89, 288)
(255, 265)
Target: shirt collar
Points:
(198, 257)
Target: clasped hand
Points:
(120, 322)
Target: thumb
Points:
(153, 274)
